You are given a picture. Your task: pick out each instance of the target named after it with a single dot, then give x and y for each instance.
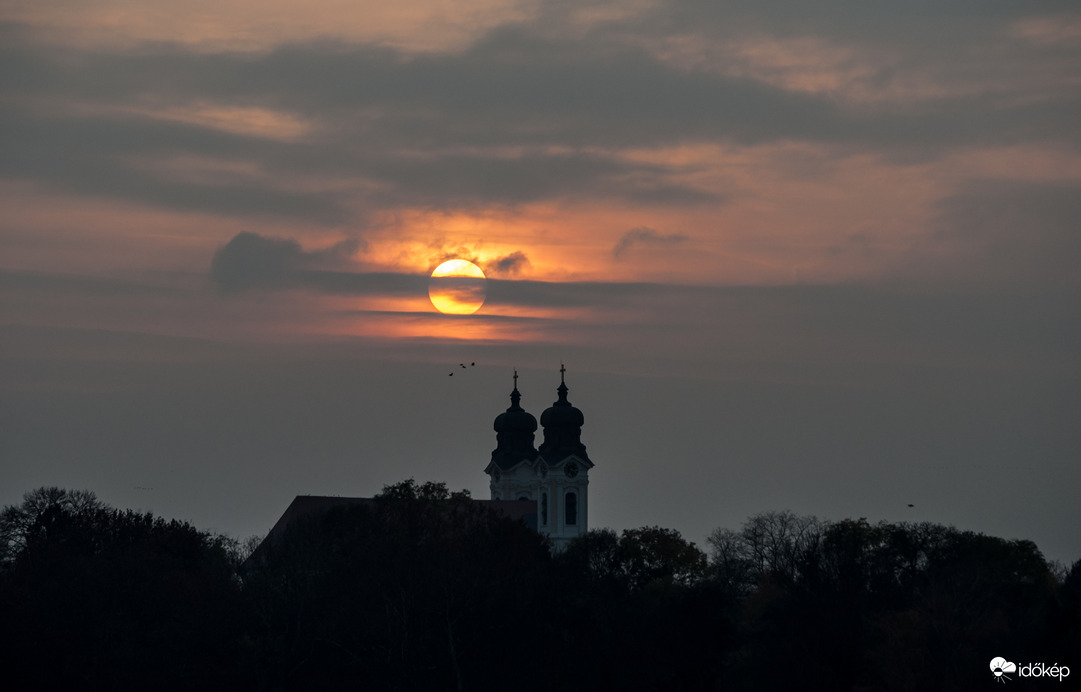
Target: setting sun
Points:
(457, 287)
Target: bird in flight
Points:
(472, 364)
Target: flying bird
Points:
(912, 505)
(472, 364)
(462, 364)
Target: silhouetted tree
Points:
(976, 594)
(1066, 628)
(103, 599)
(775, 546)
(639, 605)
(655, 556)
(594, 562)
(885, 606)
(17, 522)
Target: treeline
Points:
(422, 589)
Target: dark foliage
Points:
(422, 589)
(97, 598)
(887, 606)
(635, 612)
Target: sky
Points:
(821, 257)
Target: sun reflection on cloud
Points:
(428, 324)
(249, 121)
(413, 317)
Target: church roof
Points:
(304, 505)
(314, 505)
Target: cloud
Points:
(572, 294)
(251, 261)
(129, 158)
(340, 251)
(644, 235)
(532, 110)
(68, 284)
(508, 265)
(1009, 233)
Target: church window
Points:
(544, 509)
(571, 510)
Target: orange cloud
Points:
(213, 25)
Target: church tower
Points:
(512, 468)
(556, 477)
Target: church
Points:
(554, 477)
(546, 488)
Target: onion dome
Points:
(514, 429)
(562, 424)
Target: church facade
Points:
(554, 477)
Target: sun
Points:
(457, 287)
